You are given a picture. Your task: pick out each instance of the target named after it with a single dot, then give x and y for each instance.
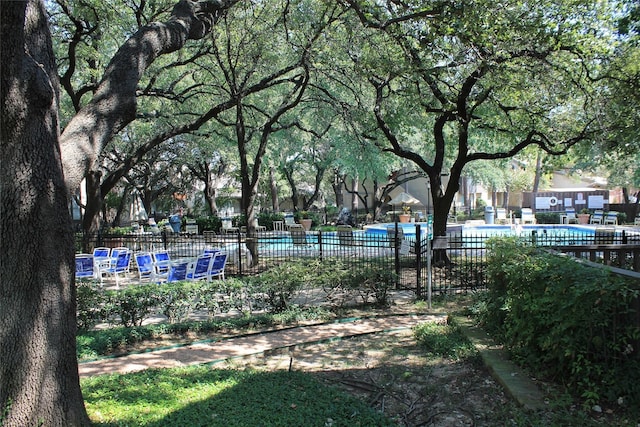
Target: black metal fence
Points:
(457, 263)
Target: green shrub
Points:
(90, 304)
(548, 217)
(177, 300)
(222, 296)
(209, 223)
(565, 320)
(374, 282)
(130, 306)
(281, 283)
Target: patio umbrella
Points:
(404, 199)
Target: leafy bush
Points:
(281, 283)
(90, 305)
(222, 296)
(374, 282)
(565, 320)
(177, 300)
(209, 223)
(130, 306)
(548, 217)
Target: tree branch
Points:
(114, 103)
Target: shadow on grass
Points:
(201, 396)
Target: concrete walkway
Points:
(216, 351)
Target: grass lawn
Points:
(203, 396)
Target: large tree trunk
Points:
(39, 383)
(273, 188)
(93, 204)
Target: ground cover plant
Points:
(202, 396)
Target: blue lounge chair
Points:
(161, 263)
(146, 269)
(177, 271)
(100, 254)
(611, 218)
(570, 216)
(84, 266)
(116, 266)
(201, 268)
(597, 217)
(218, 265)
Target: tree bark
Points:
(273, 188)
(39, 380)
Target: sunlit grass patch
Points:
(443, 340)
(202, 396)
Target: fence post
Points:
(164, 240)
(396, 250)
(320, 244)
(418, 250)
(239, 249)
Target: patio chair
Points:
(84, 266)
(161, 262)
(100, 254)
(597, 217)
(218, 265)
(611, 218)
(227, 227)
(299, 238)
(116, 266)
(347, 240)
(569, 216)
(527, 216)
(211, 251)
(501, 216)
(146, 269)
(201, 268)
(177, 271)
(289, 220)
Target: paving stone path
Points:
(215, 351)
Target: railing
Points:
(458, 267)
(624, 256)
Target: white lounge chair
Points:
(597, 217)
(218, 265)
(201, 268)
(611, 218)
(501, 216)
(570, 216)
(527, 216)
(116, 265)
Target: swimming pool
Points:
(471, 235)
(488, 230)
(374, 238)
